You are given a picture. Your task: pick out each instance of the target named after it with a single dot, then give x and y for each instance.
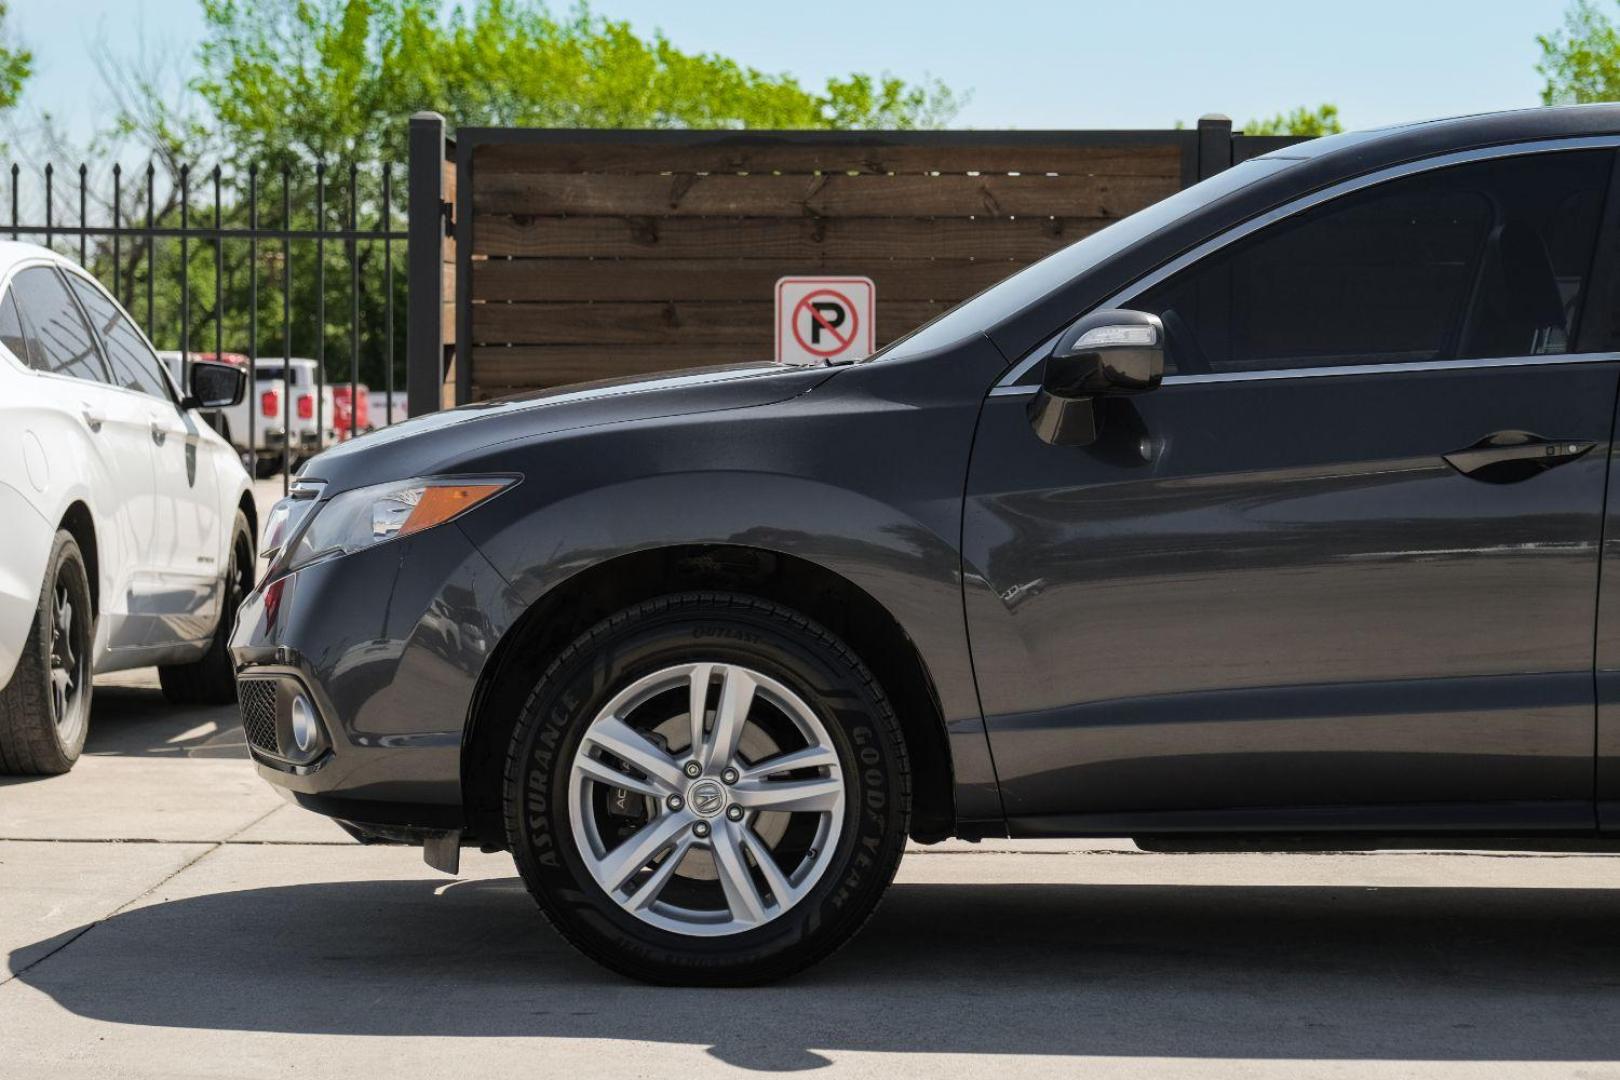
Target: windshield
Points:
(1038, 279)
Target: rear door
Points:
(1340, 570)
(60, 344)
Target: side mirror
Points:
(212, 385)
(1106, 352)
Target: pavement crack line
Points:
(213, 846)
(1383, 853)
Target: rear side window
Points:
(134, 365)
(1488, 259)
(58, 339)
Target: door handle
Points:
(91, 420)
(1505, 457)
(159, 433)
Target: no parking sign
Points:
(821, 320)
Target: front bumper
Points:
(387, 646)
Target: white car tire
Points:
(45, 708)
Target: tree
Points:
(1323, 120)
(16, 65)
(287, 85)
(308, 80)
(1580, 61)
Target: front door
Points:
(1340, 570)
(182, 593)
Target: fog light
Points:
(304, 730)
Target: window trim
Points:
(1009, 385)
(8, 283)
(70, 271)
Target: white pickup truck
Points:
(312, 420)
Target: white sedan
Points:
(126, 523)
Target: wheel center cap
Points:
(706, 798)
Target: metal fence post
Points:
(424, 327)
(1214, 145)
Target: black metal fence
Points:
(241, 262)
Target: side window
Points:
(11, 329)
(58, 339)
(1488, 259)
(134, 366)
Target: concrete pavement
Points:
(164, 914)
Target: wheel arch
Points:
(813, 590)
(81, 525)
(251, 512)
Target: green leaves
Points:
(1323, 120)
(301, 80)
(1580, 61)
(16, 64)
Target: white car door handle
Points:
(159, 433)
(92, 420)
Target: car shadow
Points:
(1335, 973)
(138, 721)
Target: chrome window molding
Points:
(1007, 384)
(1328, 372)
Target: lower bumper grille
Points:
(257, 698)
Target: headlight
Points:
(287, 517)
(373, 515)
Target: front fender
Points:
(862, 478)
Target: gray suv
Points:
(1272, 517)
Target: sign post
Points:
(825, 320)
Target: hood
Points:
(422, 445)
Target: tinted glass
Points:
(1480, 260)
(1039, 279)
(134, 366)
(11, 331)
(58, 339)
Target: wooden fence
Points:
(574, 255)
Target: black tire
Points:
(212, 679)
(266, 467)
(728, 628)
(34, 739)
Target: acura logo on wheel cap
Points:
(707, 798)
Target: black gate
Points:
(241, 262)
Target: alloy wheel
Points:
(69, 665)
(706, 798)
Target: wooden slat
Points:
(724, 323)
(1026, 238)
(757, 154)
(557, 280)
(506, 370)
(685, 194)
(447, 389)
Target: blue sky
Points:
(1083, 64)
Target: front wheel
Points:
(211, 680)
(707, 789)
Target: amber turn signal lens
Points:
(440, 504)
